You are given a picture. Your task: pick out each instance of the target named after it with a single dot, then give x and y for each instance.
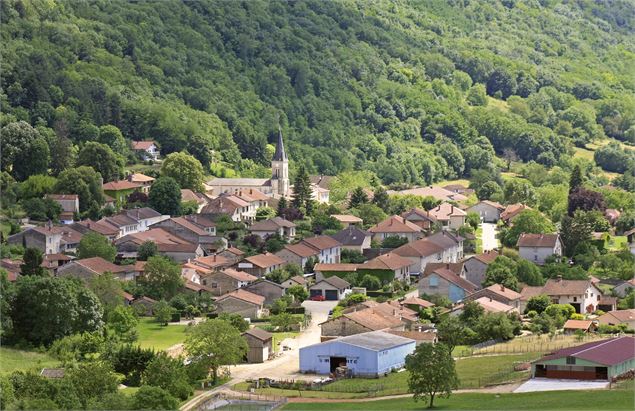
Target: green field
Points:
(617, 242)
(20, 360)
(154, 335)
(555, 400)
(278, 337)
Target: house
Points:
(340, 270)
(298, 254)
(396, 226)
(630, 238)
(538, 247)
(212, 262)
(268, 289)
(146, 150)
(125, 225)
(439, 193)
(328, 248)
(621, 290)
(49, 239)
(241, 302)
(353, 238)
(295, 280)
(227, 280)
(421, 218)
(444, 282)
(146, 217)
(583, 295)
(572, 326)
(332, 288)
(597, 360)
(416, 303)
(232, 254)
(276, 225)
(357, 322)
(490, 211)
(188, 195)
(511, 211)
(498, 293)
(196, 288)
(106, 229)
(387, 267)
(348, 220)
(459, 189)
(618, 317)
(456, 268)
(260, 345)
(143, 180)
(69, 204)
(365, 355)
(144, 306)
(449, 216)
(475, 267)
(192, 233)
(452, 245)
(89, 268)
(203, 222)
(607, 303)
(488, 304)
(120, 190)
(319, 194)
(420, 253)
(167, 243)
(256, 198)
(52, 262)
(236, 208)
(260, 265)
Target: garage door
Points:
(331, 295)
(578, 373)
(316, 292)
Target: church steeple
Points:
(280, 154)
(280, 169)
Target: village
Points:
(343, 298)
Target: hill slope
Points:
(356, 84)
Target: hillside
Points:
(355, 84)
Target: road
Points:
(489, 237)
(287, 365)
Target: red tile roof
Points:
(487, 257)
(512, 211)
(244, 296)
(417, 301)
(239, 275)
(321, 242)
(265, 260)
(419, 248)
(389, 261)
(444, 211)
(503, 291)
(142, 145)
(538, 240)
(577, 324)
(455, 279)
(100, 266)
(395, 224)
(301, 250)
(120, 185)
(345, 267)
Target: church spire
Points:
(280, 154)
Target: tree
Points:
(186, 170)
(154, 398)
(370, 213)
(351, 256)
(123, 322)
(32, 262)
(63, 155)
(111, 136)
(575, 181)
(236, 320)
(83, 181)
(381, 199)
(42, 209)
(358, 197)
(574, 231)
(298, 292)
(96, 245)
(265, 213)
(23, 150)
(432, 372)
(102, 159)
(370, 282)
(201, 149)
(282, 206)
(169, 374)
(527, 221)
(45, 309)
(451, 331)
(146, 250)
(510, 156)
(489, 191)
(165, 196)
(519, 191)
(538, 303)
(302, 195)
(107, 288)
(528, 273)
(215, 343)
(162, 278)
(93, 380)
(585, 200)
(477, 96)
(393, 241)
(494, 326)
(37, 186)
(163, 312)
(501, 271)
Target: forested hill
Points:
(356, 84)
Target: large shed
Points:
(366, 355)
(598, 360)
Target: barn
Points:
(598, 360)
(365, 355)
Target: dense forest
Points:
(414, 91)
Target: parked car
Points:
(317, 298)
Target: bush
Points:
(154, 398)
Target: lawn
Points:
(553, 400)
(20, 360)
(154, 335)
(617, 242)
(461, 181)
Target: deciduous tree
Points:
(96, 245)
(165, 196)
(432, 372)
(186, 170)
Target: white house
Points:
(329, 249)
(490, 211)
(538, 247)
(583, 295)
(148, 150)
(396, 226)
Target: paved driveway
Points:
(489, 236)
(547, 384)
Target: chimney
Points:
(502, 287)
(447, 265)
(451, 209)
(130, 178)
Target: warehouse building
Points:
(364, 355)
(598, 360)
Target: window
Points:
(214, 285)
(598, 298)
(575, 299)
(570, 360)
(434, 281)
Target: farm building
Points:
(365, 355)
(598, 360)
(260, 343)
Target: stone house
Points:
(295, 280)
(276, 225)
(360, 322)
(232, 254)
(193, 233)
(49, 239)
(167, 243)
(298, 254)
(474, 267)
(89, 268)
(236, 208)
(241, 302)
(489, 211)
(227, 280)
(260, 345)
(69, 204)
(445, 283)
(260, 265)
(420, 217)
(396, 226)
(538, 247)
(583, 295)
(265, 288)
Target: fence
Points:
(242, 401)
(519, 345)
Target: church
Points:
(276, 187)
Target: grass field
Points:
(278, 337)
(154, 335)
(20, 360)
(555, 400)
(535, 343)
(462, 181)
(618, 242)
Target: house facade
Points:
(353, 238)
(260, 345)
(446, 283)
(241, 302)
(269, 290)
(538, 247)
(489, 211)
(331, 288)
(475, 267)
(449, 216)
(261, 264)
(328, 249)
(146, 150)
(396, 226)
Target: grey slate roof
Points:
(280, 154)
(351, 236)
(375, 340)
